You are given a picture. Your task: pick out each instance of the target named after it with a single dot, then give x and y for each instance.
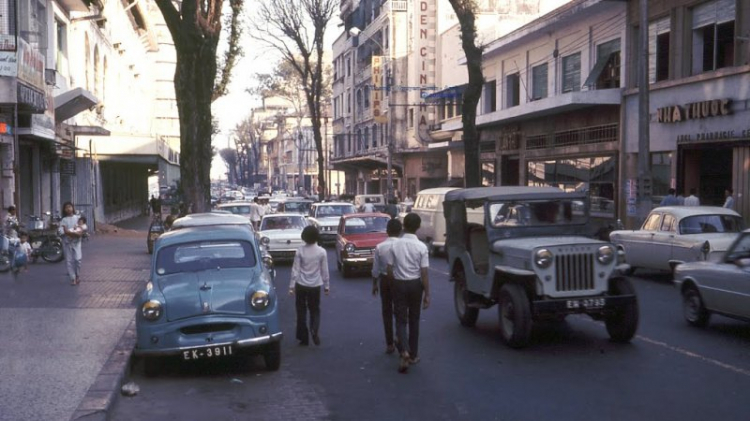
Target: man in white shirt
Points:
(255, 213)
(408, 268)
(380, 262)
(729, 202)
(368, 207)
(692, 200)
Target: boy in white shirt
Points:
(23, 253)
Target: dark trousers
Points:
(307, 299)
(408, 300)
(386, 301)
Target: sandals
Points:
(76, 281)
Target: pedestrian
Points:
(255, 213)
(23, 253)
(670, 199)
(265, 207)
(71, 242)
(11, 222)
(380, 262)
(411, 289)
(729, 202)
(392, 209)
(155, 205)
(309, 273)
(368, 207)
(692, 200)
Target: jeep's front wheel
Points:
(515, 316)
(623, 321)
(466, 315)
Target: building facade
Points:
(699, 88)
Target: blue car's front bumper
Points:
(173, 338)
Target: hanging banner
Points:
(30, 65)
(377, 89)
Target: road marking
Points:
(440, 272)
(694, 355)
(684, 352)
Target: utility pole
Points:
(644, 144)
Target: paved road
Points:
(56, 337)
(570, 372)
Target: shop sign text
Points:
(716, 136)
(693, 111)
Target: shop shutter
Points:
(655, 28)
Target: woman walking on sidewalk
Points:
(309, 272)
(71, 237)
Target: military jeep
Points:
(530, 259)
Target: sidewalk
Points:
(65, 348)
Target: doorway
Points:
(708, 169)
(510, 169)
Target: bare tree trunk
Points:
(194, 78)
(465, 11)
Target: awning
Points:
(597, 70)
(72, 102)
(452, 92)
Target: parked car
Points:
(326, 217)
(528, 256)
(720, 286)
(671, 235)
(240, 208)
(357, 236)
(209, 297)
(296, 205)
(281, 234)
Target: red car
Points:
(357, 236)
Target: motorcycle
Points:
(45, 242)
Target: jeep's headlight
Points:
(259, 300)
(543, 258)
(151, 310)
(265, 241)
(349, 248)
(605, 255)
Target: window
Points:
(367, 137)
(539, 82)
(374, 136)
(713, 35)
(97, 72)
(488, 173)
(668, 223)
(652, 223)
(348, 102)
(367, 97)
(348, 66)
(411, 117)
(512, 90)
(606, 72)
(61, 54)
(489, 97)
(571, 73)
(87, 59)
(658, 48)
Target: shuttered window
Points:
(539, 82)
(713, 35)
(571, 76)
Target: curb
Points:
(102, 395)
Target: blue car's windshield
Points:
(205, 255)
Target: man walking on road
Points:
(692, 200)
(729, 202)
(410, 261)
(380, 262)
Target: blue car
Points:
(210, 296)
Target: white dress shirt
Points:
(382, 257)
(255, 212)
(692, 201)
(408, 257)
(310, 267)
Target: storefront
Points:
(573, 150)
(699, 139)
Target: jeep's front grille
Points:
(574, 272)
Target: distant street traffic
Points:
(571, 371)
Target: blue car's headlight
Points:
(259, 300)
(151, 310)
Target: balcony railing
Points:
(589, 135)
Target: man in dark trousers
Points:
(380, 276)
(410, 261)
(155, 205)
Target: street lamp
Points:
(355, 32)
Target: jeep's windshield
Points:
(535, 213)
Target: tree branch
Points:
(233, 52)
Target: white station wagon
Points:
(671, 235)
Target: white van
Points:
(429, 207)
(378, 200)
